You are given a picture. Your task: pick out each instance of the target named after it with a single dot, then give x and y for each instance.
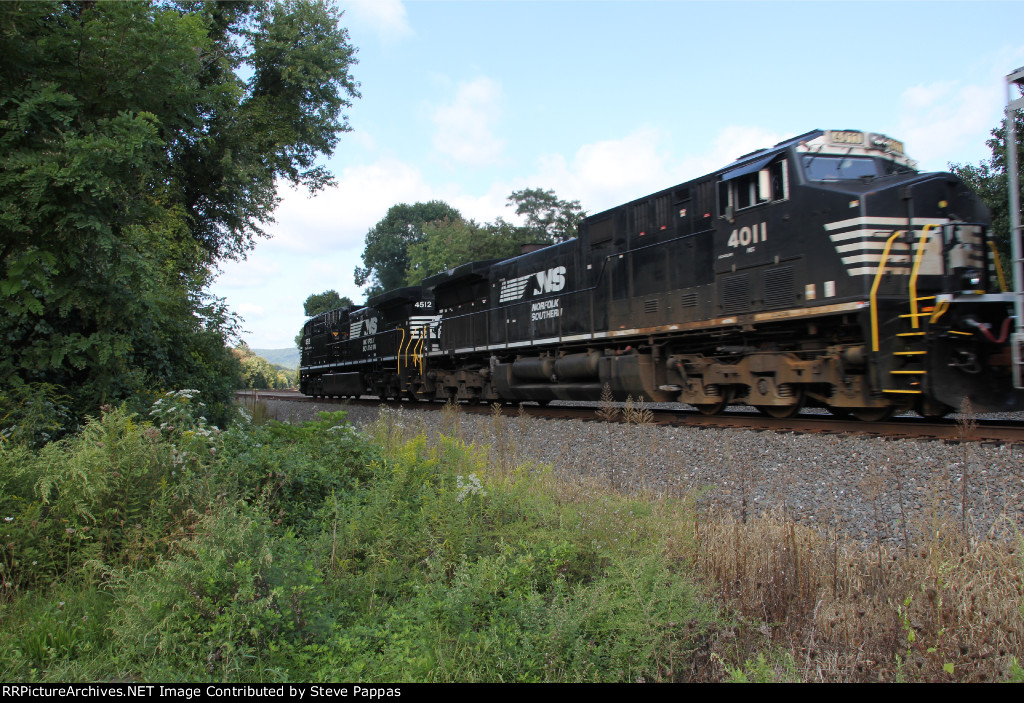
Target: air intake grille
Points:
(778, 287)
(735, 294)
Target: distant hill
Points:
(288, 358)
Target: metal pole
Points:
(1016, 78)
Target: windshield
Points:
(839, 168)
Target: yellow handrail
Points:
(940, 309)
(874, 289)
(999, 267)
(921, 242)
(401, 345)
(420, 359)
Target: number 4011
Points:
(746, 236)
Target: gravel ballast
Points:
(864, 487)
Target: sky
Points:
(607, 101)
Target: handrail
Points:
(874, 289)
(940, 309)
(999, 266)
(417, 355)
(401, 345)
(921, 242)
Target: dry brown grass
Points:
(947, 610)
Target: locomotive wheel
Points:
(716, 408)
(712, 408)
(932, 409)
(842, 413)
(873, 414)
(780, 412)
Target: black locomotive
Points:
(822, 271)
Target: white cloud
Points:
(386, 17)
(465, 126)
(250, 311)
(950, 121)
(728, 145)
(338, 218)
(316, 245)
(608, 173)
(250, 273)
(938, 121)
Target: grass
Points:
(317, 553)
(160, 548)
(947, 610)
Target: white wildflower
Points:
(471, 486)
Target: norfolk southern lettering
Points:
(545, 310)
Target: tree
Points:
(551, 219)
(257, 372)
(385, 257)
(133, 157)
(449, 243)
(322, 302)
(990, 181)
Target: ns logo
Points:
(363, 328)
(550, 281)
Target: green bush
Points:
(315, 552)
(33, 414)
(231, 605)
(94, 500)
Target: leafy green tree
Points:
(551, 219)
(413, 242)
(140, 143)
(257, 372)
(322, 302)
(448, 243)
(990, 181)
(385, 257)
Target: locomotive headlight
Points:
(971, 280)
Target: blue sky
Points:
(606, 101)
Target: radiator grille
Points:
(778, 287)
(735, 294)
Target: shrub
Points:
(231, 605)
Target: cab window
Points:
(770, 184)
(839, 168)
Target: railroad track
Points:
(947, 429)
